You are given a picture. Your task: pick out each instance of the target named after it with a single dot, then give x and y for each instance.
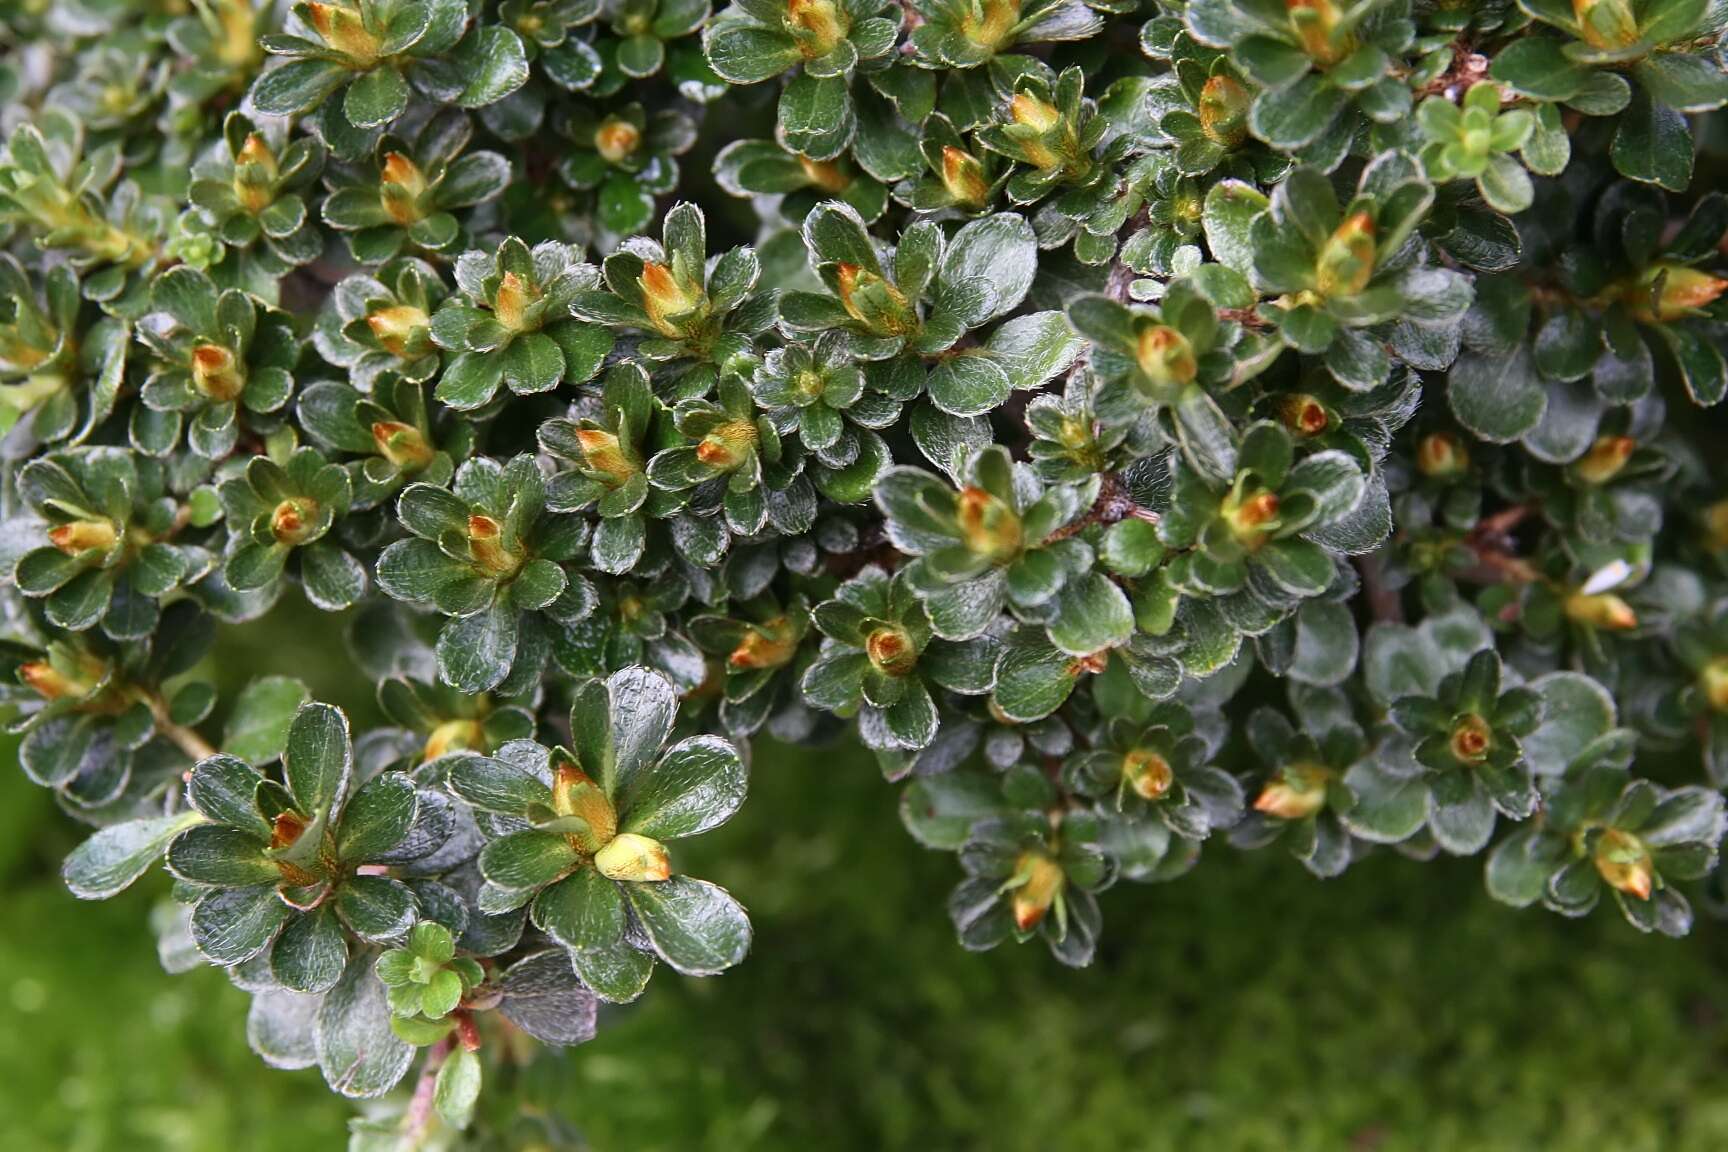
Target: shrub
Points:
(1138, 424)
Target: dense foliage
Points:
(1138, 424)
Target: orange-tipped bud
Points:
(1716, 526)
(1295, 793)
(891, 651)
(294, 520)
(728, 446)
(1252, 515)
(1672, 292)
(1037, 882)
(665, 299)
(511, 302)
(1316, 25)
(286, 830)
(50, 683)
(401, 185)
(1713, 681)
(401, 329)
(767, 645)
(874, 302)
(1147, 773)
(215, 373)
(963, 177)
(486, 546)
(993, 24)
(255, 174)
(454, 736)
(1603, 610)
(1303, 414)
(1346, 261)
(343, 29)
(1624, 863)
(617, 140)
(84, 536)
(1606, 457)
(989, 527)
(1441, 456)
(1609, 25)
(633, 859)
(402, 445)
(603, 456)
(816, 26)
(1472, 738)
(1165, 358)
(576, 796)
(824, 174)
(1223, 110)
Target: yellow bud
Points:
(292, 521)
(454, 736)
(1223, 110)
(401, 329)
(768, 645)
(891, 652)
(1037, 881)
(1316, 25)
(1665, 292)
(1624, 863)
(989, 527)
(963, 177)
(1031, 112)
(50, 683)
(84, 536)
(1346, 261)
(1471, 738)
(1716, 526)
(343, 29)
(874, 302)
(511, 302)
(728, 446)
(816, 26)
(1604, 610)
(991, 23)
(603, 456)
(401, 184)
(1713, 681)
(1608, 25)
(824, 174)
(215, 373)
(1148, 773)
(1295, 793)
(486, 546)
(1441, 456)
(665, 299)
(1252, 515)
(633, 858)
(286, 830)
(402, 445)
(575, 795)
(1165, 358)
(1606, 457)
(255, 174)
(616, 140)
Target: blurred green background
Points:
(1246, 1008)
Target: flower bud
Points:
(1223, 110)
(1608, 25)
(1303, 414)
(989, 527)
(1346, 261)
(401, 184)
(994, 24)
(1713, 682)
(286, 830)
(343, 29)
(1716, 526)
(51, 683)
(401, 329)
(1442, 456)
(293, 520)
(1471, 738)
(215, 373)
(728, 446)
(1251, 515)
(816, 26)
(1316, 25)
(576, 796)
(454, 736)
(891, 651)
(665, 299)
(633, 858)
(1036, 119)
(1606, 457)
(1665, 292)
(486, 546)
(824, 174)
(963, 177)
(1148, 773)
(1295, 793)
(1624, 863)
(1037, 882)
(1166, 359)
(254, 181)
(402, 445)
(766, 645)
(616, 140)
(1603, 610)
(874, 302)
(603, 457)
(511, 302)
(84, 536)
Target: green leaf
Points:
(457, 1088)
(318, 758)
(111, 859)
(297, 86)
(695, 926)
(232, 925)
(1499, 398)
(527, 860)
(697, 785)
(311, 952)
(377, 819)
(376, 908)
(376, 97)
(583, 912)
(358, 1052)
(1092, 614)
(1654, 144)
(968, 385)
(476, 653)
